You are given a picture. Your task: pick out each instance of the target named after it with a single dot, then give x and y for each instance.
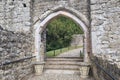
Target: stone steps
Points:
(62, 65)
(65, 59)
(56, 71)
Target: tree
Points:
(60, 31)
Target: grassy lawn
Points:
(56, 52)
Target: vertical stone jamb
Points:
(39, 64)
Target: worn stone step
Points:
(49, 71)
(61, 63)
(62, 67)
(65, 59)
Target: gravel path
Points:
(57, 77)
(71, 53)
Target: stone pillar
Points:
(39, 66)
(84, 69)
(86, 57)
(86, 47)
(37, 44)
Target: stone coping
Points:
(84, 63)
(39, 63)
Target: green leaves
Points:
(60, 31)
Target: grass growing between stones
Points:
(56, 52)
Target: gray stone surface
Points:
(105, 26)
(57, 77)
(15, 15)
(41, 7)
(62, 65)
(108, 64)
(14, 46)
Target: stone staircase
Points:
(62, 65)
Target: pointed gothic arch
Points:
(76, 16)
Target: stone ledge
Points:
(84, 63)
(38, 63)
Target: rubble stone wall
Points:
(111, 67)
(15, 15)
(15, 46)
(105, 27)
(40, 6)
(105, 30)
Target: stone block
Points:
(38, 69)
(84, 69)
(39, 66)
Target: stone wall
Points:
(105, 30)
(40, 6)
(105, 25)
(15, 15)
(15, 46)
(111, 66)
(77, 40)
(16, 39)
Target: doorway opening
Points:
(40, 30)
(63, 37)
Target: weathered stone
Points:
(107, 28)
(109, 65)
(10, 50)
(84, 69)
(108, 38)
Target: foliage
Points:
(60, 31)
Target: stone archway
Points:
(48, 16)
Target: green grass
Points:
(56, 52)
